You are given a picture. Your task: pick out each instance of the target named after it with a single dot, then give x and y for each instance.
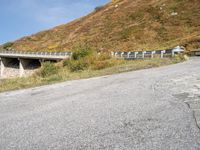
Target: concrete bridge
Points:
(16, 63)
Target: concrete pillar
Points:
(2, 67)
(41, 61)
(4, 63)
(21, 67)
(23, 63)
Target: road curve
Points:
(152, 109)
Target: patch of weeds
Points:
(137, 16)
(78, 65)
(125, 33)
(48, 69)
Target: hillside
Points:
(125, 25)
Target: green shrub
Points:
(48, 69)
(66, 63)
(86, 58)
(81, 52)
(7, 45)
(78, 65)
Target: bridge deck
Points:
(35, 55)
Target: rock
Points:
(174, 14)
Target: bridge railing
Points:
(144, 54)
(37, 53)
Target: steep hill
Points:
(125, 25)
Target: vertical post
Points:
(143, 53)
(173, 53)
(21, 68)
(2, 67)
(135, 54)
(152, 54)
(162, 54)
(128, 54)
(122, 54)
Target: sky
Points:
(19, 18)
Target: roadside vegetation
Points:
(85, 63)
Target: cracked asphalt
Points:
(152, 109)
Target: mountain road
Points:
(151, 109)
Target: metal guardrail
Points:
(59, 55)
(144, 54)
(38, 53)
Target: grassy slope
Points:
(125, 25)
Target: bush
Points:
(77, 65)
(66, 63)
(84, 57)
(7, 45)
(48, 69)
(81, 52)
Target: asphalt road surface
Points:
(153, 109)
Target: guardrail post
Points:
(116, 54)
(143, 53)
(162, 54)
(152, 54)
(135, 54)
(122, 54)
(128, 54)
(173, 53)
